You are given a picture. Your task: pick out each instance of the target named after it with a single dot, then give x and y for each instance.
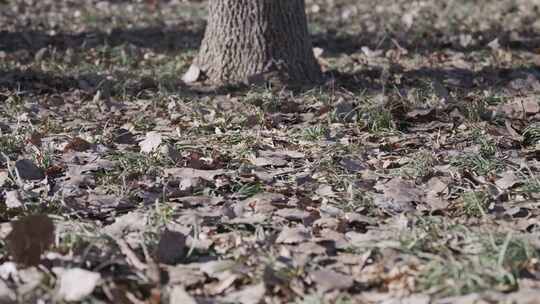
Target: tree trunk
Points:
(249, 39)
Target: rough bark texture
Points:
(248, 39)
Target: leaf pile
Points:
(412, 175)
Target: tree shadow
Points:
(158, 39)
(335, 43)
(22, 47)
(523, 79)
(37, 82)
(369, 81)
(187, 36)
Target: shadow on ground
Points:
(188, 37)
(368, 81)
(335, 42)
(159, 39)
(524, 79)
(37, 82)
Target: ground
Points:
(411, 175)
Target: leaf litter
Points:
(410, 177)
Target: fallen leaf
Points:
(520, 107)
(151, 142)
(371, 53)
(317, 51)
(435, 187)
(531, 105)
(31, 276)
(252, 294)
(282, 154)
(325, 191)
(169, 151)
(8, 270)
(398, 195)
(227, 280)
(76, 284)
(77, 144)
(352, 165)
(416, 299)
(328, 223)
(523, 296)
(186, 275)
(188, 185)
(7, 295)
(30, 237)
(192, 75)
(132, 221)
(344, 111)
(107, 201)
(421, 115)
(508, 180)
(4, 178)
(252, 219)
(292, 214)
(294, 235)
(171, 247)
(35, 138)
(28, 170)
(494, 44)
(179, 295)
(524, 82)
(217, 269)
(123, 136)
(311, 248)
(208, 175)
(268, 161)
(264, 202)
(13, 199)
(327, 280)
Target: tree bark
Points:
(249, 39)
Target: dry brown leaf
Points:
(293, 214)
(264, 202)
(208, 175)
(77, 144)
(28, 170)
(132, 221)
(171, 247)
(398, 194)
(294, 235)
(268, 161)
(328, 280)
(30, 237)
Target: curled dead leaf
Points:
(192, 75)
